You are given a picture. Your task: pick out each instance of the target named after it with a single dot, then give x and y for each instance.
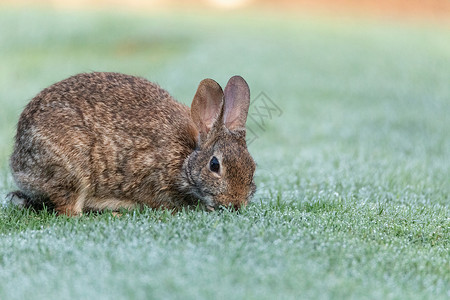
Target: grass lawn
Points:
(353, 178)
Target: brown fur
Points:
(107, 141)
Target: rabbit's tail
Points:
(22, 200)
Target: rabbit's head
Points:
(220, 171)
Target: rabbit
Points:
(108, 141)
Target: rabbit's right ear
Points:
(207, 105)
(237, 102)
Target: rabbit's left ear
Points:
(236, 104)
(207, 105)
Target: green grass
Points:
(353, 178)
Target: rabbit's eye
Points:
(214, 164)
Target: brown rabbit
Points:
(100, 141)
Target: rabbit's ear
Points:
(237, 101)
(207, 105)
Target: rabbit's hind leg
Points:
(60, 195)
(67, 203)
(64, 192)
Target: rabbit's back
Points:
(102, 136)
